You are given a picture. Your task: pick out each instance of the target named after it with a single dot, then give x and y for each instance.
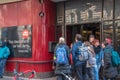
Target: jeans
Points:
(81, 71)
(2, 66)
(90, 73)
(99, 65)
(96, 74)
(109, 79)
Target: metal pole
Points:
(101, 28)
(114, 27)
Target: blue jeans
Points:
(2, 66)
(98, 66)
(90, 73)
(109, 79)
(81, 71)
(96, 74)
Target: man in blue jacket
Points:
(4, 53)
(80, 66)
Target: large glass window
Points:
(108, 29)
(117, 9)
(117, 24)
(108, 10)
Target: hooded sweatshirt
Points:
(4, 51)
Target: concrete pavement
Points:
(11, 78)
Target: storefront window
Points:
(108, 10)
(107, 30)
(117, 9)
(117, 23)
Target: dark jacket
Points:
(62, 68)
(76, 60)
(99, 53)
(109, 70)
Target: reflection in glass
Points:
(108, 10)
(117, 9)
(118, 32)
(107, 30)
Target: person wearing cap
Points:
(4, 53)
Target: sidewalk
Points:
(11, 78)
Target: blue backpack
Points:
(115, 58)
(61, 55)
(83, 53)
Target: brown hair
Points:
(78, 37)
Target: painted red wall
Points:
(43, 30)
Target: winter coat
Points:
(99, 54)
(109, 70)
(76, 60)
(4, 52)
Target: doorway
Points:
(84, 29)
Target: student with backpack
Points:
(61, 58)
(92, 70)
(80, 57)
(110, 71)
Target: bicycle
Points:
(67, 76)
(18, 76)
(64, 71)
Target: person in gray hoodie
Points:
(91, 63)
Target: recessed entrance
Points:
(84, 29)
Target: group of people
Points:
(87, 59)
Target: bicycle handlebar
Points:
(17, 75)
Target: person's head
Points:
(96, 42)
(91, 38)
(61, 40)
(104, 44)
(108, 40)
(78, 37)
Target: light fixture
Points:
(41, 14)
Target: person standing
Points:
(61, 58)
(4, 53)
(80, 66)
(110, 71)
(91, 62)
(98, 53)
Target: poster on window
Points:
(18, 40)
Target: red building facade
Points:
(43, 30)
